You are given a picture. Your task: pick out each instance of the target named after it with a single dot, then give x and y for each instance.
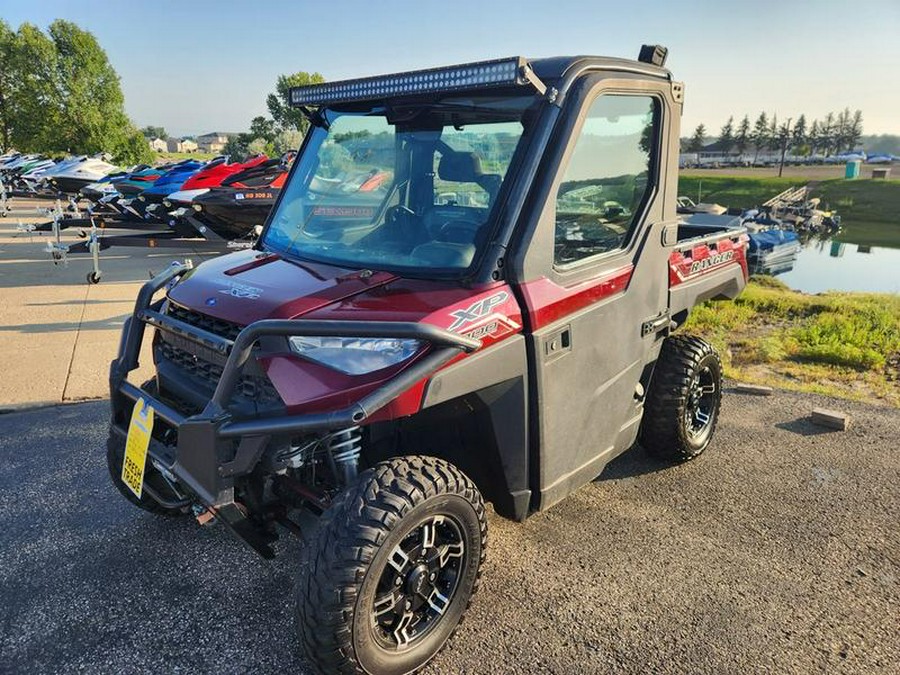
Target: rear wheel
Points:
(392, 568)
(682, 406)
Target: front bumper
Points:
(206, 452)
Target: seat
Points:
(465, 167)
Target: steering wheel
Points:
(465, 227)
(396, 212)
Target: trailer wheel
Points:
(93, 278)
(392, 568)
(682, 406)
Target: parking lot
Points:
(777, 551)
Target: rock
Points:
(754, 389)
(830, 418)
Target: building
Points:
(213, 142)
(158, 145)
(181, 145)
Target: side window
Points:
(605, 184)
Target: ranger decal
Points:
(711, 261)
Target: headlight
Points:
(355, 356)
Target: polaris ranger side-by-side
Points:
(466, 292)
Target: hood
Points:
(250, 285)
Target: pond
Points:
(863, 257)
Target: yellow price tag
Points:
(139, 431)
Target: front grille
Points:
(254, 387)
(220, 327)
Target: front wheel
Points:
(682, 406)
(392, 568)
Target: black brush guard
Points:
(214, 447)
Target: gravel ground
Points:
(777, 551)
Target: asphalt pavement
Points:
(776, 551)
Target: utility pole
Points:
(784, 140)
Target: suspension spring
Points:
(344, 448)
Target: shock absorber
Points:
(344, 448)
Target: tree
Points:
(287, 140)
(7, 80)
(760, 134)
(742, 140)
(774, 142)
(826, 133)
(154, 132)
(260, 127)
(798, 135)
(726, 136)
(814, 137)
(65, 95)
(279, 102)
(696, 142)
(854, 135)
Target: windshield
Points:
(401, 188)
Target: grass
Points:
(841, 344)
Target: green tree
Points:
(33, 109)
(279, 102)
(854, 134)
(154, 132)
(827, 133)
(260, 127)
(696, 142)
(742, 139)
(798, 135)
(7, 80)
(814, 137)
(287, 140)
(726, 136)
(760, 135)
(66, 95)
(774, 141)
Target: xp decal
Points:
(477, 310)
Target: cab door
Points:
(592, 276)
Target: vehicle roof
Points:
(556, 67)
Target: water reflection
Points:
(824, 264)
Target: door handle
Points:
(656, 324)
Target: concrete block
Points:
(832, 419)
(754, 389)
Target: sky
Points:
(196, 66)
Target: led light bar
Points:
(513, 71)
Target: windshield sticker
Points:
(237, 290)
(476, 310)
(345, 211)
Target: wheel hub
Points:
(418, 583)
(417, 579)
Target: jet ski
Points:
(72, 178)
(210, 176)
(242, 203)
(152, 197)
